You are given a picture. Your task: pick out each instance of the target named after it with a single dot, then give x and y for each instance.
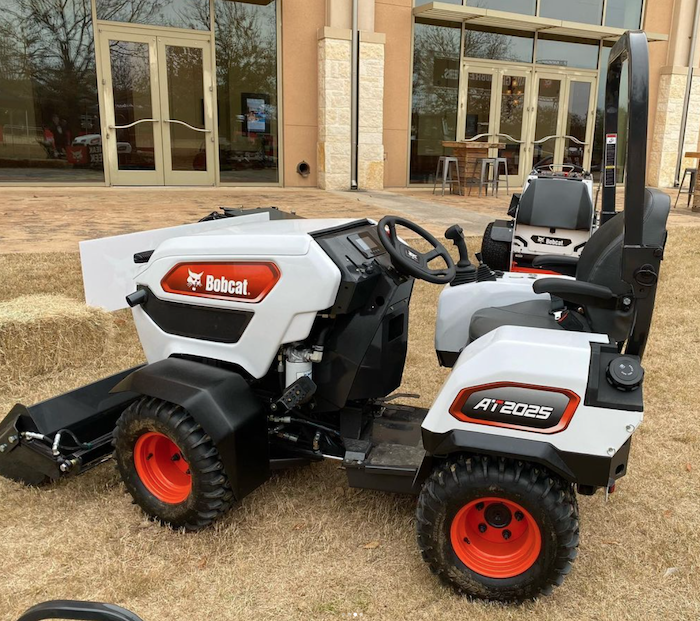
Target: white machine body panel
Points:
(456, 305)
(541, 241)
(307, 283)
(540, 358)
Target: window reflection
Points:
(526, 7)
(479, 87)
(585, 11)
(498, 45)
(49, 115)
(435, 92)
(567, 53)
(246, 72)
(625, 14)
(191, 14)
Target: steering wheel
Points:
(408, 260)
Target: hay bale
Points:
(42, 334)
(42, 272)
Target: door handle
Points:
(197, 129)
(576, 140)
(134, 123)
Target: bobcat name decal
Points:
(241, 281)
(540, 409)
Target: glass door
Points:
(494, 109)
(186, 110)
(562, 131)
(132, 109)
(158, 99)
(511, 121)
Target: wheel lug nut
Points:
(506, 534)
(479, 506)
(482, 528)
(466, 540)
(519, 516)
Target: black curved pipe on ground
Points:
(79, 611)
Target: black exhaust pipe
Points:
(64, 435)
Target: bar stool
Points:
(693, 172)
(497, 174)
(487, 164)
(443, 168)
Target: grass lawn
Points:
(305, 546)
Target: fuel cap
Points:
(625, 373)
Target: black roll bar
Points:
(640, 262)
(633, 48)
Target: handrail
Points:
(197, 129)
(134, 123)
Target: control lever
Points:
(466, 272)
(484, 272)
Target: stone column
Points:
(334, 99)
(667, 125)
(334, 59)
(371, 112)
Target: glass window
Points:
(585, 11)
(435, 93)
(498, 45)
(526, 7)
(246, 73)
(419, 2)
(131, 87)
(49, 115)
(625, 14)
(479, 86)
(567, 53)
(191, 14)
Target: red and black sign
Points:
(243, 281)
(516, 406)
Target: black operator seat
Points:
(556, 203)
(600, 264)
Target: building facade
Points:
(325, 93)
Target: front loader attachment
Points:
(64, 435)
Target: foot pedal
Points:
(295, 394)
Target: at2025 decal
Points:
(242, 281)
(541, 409)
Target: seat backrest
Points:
(556, 203)
(601, 261)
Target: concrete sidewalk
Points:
(56, 219)
(51, 219)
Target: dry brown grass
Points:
(294, 548)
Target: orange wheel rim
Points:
(495, 537)
(162, 468)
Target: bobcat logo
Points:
(194, 280)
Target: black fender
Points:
(579, 468)
(222, 402)
(502, 231)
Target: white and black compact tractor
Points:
(275, 342)
(551, 222)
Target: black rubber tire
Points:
(211, 494)
(550, 500)
(496, 254)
